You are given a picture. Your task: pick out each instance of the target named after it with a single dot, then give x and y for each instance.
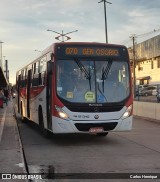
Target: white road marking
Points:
(2, 124)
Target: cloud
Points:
(24, 24)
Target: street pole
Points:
(134, 66)
(62, 35)
(105, 16)
(6, 68)
(1, 61)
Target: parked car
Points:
(150, 90)
(154, 92)
(158, 95)
(139, 89)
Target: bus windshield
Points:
(92, 81)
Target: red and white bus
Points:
(78, 88)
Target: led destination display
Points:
(88, 50)
(91, 51)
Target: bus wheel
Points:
(41, 123)
(102, 134)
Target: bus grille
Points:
(87, 126)
(113, 108)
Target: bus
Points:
(77, 87)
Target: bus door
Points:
(28, 92)
(49, 95)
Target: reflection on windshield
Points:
(91, 81)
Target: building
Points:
(147, 55)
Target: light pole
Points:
(1, 61)
(6, 69)
(62, 35)
(105, 16)
(134, 65)
(4, 61)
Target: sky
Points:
(24, 24)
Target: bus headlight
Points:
(61, 113)
(128, 112)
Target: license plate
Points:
(96, 130)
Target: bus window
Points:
(103, 81)
(111, 86)
(43, 65)
(35, 80)
(65, 78)
(23, 79)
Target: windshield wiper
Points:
(83, 69)
(105, 73)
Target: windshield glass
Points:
(92, 81)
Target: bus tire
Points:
(41, 123)
(102, 134)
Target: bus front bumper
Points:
(70, 126)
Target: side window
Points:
(152, 65)
(36, 68)
(18, 80)
(23, 79)
(35, 79)
(158, 63)
(43, 65)
(39, 69)
(22, 74)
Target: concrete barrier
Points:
(147, 109)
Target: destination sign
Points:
(91, 51)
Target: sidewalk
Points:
(11, 158)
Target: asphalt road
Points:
(137, 151)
